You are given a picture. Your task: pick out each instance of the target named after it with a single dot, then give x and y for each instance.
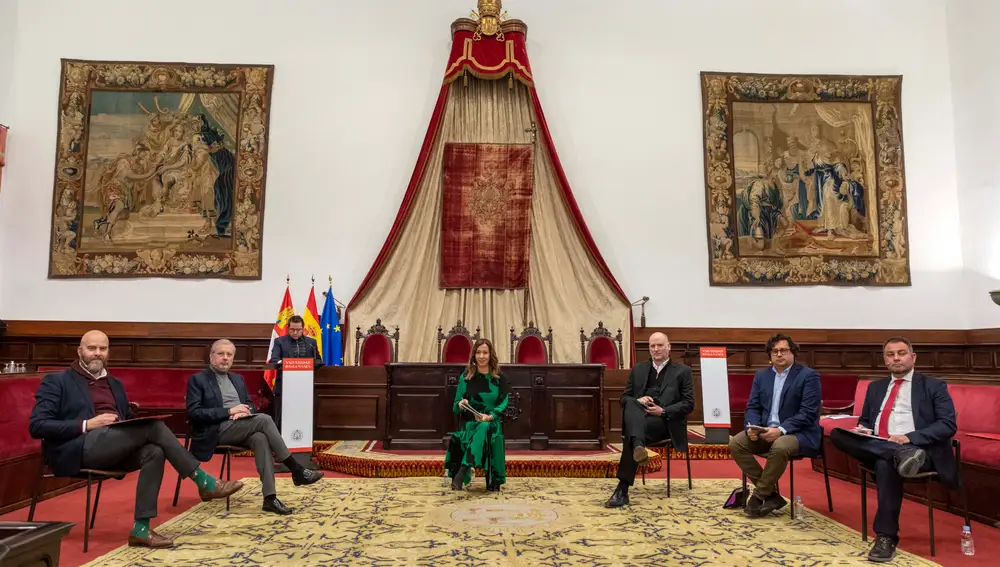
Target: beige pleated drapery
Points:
(567, 290)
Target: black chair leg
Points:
(36, 493)
(743, 484)
(688, 455)
(864, 506)
(965, 506)
(97, 500)
(222, 469)
(666, 455)
(930, 516)
(228, 462)
(826, 479)
(643, 471)
(86, 518)
(791, 486)
(177, 489)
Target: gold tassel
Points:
(510, 81)
(465, 77)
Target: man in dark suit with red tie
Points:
(914, 417)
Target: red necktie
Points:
(883, 422)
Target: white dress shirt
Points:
(901, 418)
(658, 368)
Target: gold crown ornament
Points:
(489, 16)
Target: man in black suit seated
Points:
(293, 345)
(221, 413)
(914, 417)
(785, 399)
(655, 405)
(74, 413)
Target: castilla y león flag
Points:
(280, 329)
(486, 215)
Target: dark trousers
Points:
(260, 434)
(638, 429)
(878, 455)
(141, 446)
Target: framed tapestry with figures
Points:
(160, 170)
(804, 180)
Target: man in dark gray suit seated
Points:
(293, 345)
(76, 416)
(221, 413)
(655, 405)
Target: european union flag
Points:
(329, 323)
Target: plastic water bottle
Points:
(800, 508)
(968, 548)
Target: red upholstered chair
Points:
(838, 392)
(529, 346)
(456, 346)
(600, 347)
(375, 348)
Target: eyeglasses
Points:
(780, 351)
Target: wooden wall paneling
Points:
(350, 403)
(17, 478)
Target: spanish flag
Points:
(280, 329)
(311, 318)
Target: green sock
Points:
(141, 528)
(204, 480)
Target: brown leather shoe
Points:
(641, 456)
(154, 540)
(223, 488)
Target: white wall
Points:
(354, 87)
(975, 78)
(8, 44)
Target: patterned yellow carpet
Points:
(535, 522)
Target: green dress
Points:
(479, 444)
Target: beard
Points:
(94, 365)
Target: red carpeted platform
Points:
(115, 516)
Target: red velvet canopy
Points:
(490, 59)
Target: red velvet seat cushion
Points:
(739, 391)
(17, 398)
(829, 424)
(376, 350)
(457, 349)
(531, 350)
(976, 407)
(602, 351)
(838, 389)
(167, 387)
(979, 451)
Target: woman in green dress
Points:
(479, 401)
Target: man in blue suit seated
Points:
(293, 345)
(914, 417)
(221, 413)
(79, 414)
(781, 421)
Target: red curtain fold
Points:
(488, 58)
(486, 216)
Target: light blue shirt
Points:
(779, 384)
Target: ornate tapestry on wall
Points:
(486, 215)
(805, 180)
(160, 170)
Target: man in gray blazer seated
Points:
(655, 405)
(221, 413)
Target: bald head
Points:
(93, 351)
(659, 347)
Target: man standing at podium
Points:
(293, 345)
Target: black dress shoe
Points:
(308, 476)
(773, 502)
(618, 499)
(275, 506)
(883, 550)
(909, 460)
(457, 480)
(493, 486)
(754, 504)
